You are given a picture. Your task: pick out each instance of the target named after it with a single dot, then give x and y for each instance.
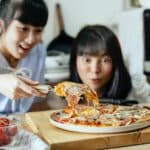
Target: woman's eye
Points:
(86, 60)
(22, 28)
(106, 60)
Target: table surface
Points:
(134, 147)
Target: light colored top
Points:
(140, 88)
(35, 62)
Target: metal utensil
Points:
(44, 88)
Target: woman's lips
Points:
(95, 81)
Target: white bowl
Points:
(57, 60)
(57, 76)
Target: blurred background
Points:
(129, 19)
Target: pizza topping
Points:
(104, 115)
(74, 92)
(101, 115)
(4, 122)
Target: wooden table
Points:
(38, 123)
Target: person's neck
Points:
(10, 59)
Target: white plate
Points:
(89, 129)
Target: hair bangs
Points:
(31, 13)
(91, 47)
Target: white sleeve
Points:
(140, 88)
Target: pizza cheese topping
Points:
(101, 115)
(74, 92)
(108, 115)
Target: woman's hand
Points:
(16, 87)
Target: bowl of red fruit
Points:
(8, 129)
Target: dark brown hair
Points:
(92, 40)
(34, 12)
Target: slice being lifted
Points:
(74, 92)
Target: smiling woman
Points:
(21, 26)
(20, 32)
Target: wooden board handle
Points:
(31, 124)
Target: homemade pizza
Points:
(95, 117)
(74, 92)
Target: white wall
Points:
(77, 13)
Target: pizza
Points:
(104, 115)
(74, 92)
(97, 115)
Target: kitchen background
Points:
(124, 17)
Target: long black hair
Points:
(33, 12)
(92, 39)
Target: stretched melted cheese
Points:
(70, 89)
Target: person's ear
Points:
(1, 26)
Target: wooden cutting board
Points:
(61, 139)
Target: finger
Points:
(28, 81)
(22, 94)
(19, 93)
(38, 93)
(29, 90)
(43, 93)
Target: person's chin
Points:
(23, 54)
(94, 84)
(95, 87)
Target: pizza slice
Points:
(74, 92)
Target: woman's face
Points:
(95, 71)
(20, 38)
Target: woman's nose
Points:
(95, 67)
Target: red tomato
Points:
(12, 130)
(4, 122)
(6, 140)
(6, 131)
(1, 134)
